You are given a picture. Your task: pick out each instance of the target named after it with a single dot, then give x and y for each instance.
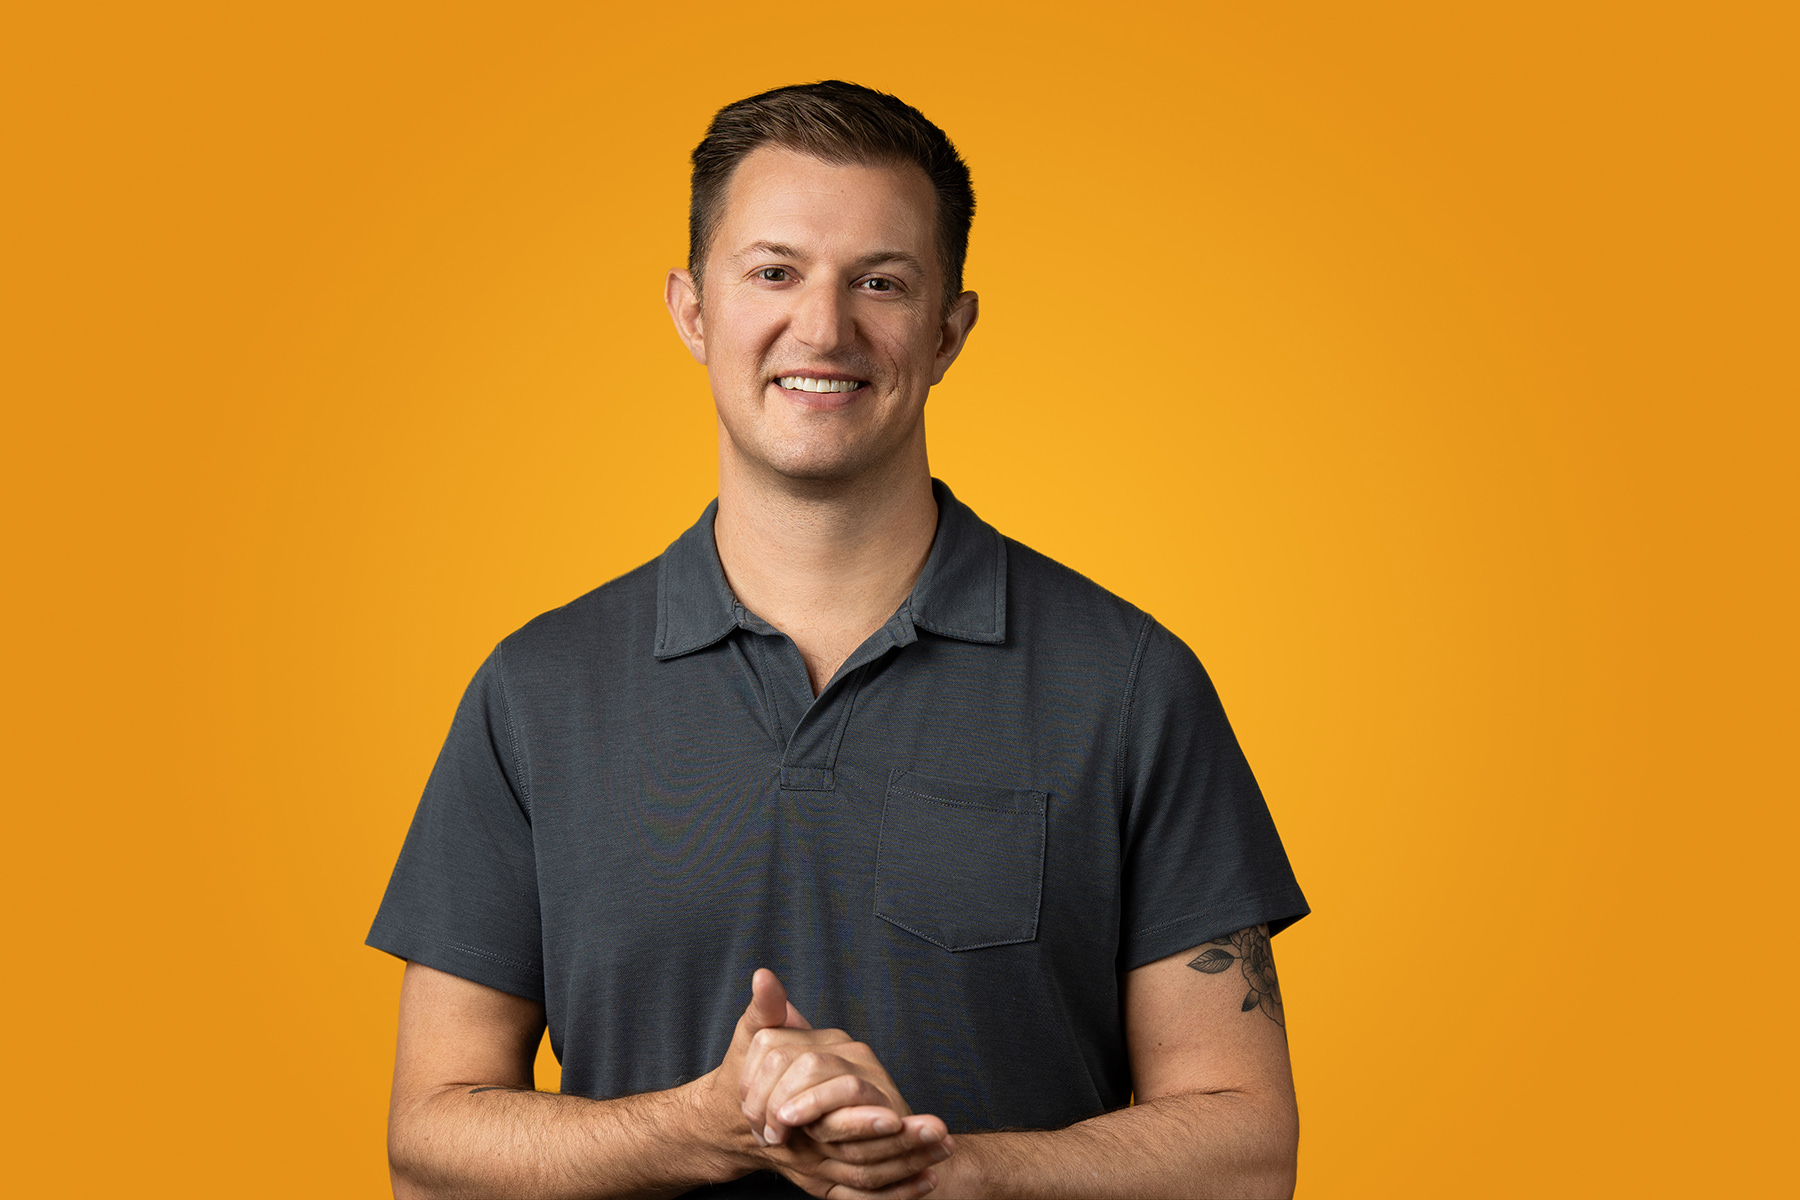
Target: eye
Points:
(773, 274)
(877, 284)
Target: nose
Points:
(822, 319)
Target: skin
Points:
(464, 1119)
(825, 519)
(825, 508)
(1215, 1113)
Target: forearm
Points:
(465, 1140)
(1195, 1144)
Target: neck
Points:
(825, 562)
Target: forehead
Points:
(784, 196)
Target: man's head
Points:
(829, 312)
(842, 124)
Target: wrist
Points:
(712, 1131)
(965, 1174)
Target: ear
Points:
(955, 333)
(684, 310)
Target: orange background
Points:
(1430, 370)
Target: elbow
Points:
(1281, 1163)
(401, 1175)
(407, 1142)
(405, 1176)
(1266, 1159)
(1246, 1144)
(1278, 1179)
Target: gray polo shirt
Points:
(1017, 789)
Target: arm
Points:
(1215, 1112)
(465, 1119)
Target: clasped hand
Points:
(823, 1110)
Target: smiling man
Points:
(848, 847)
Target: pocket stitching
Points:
(1017, 812)
(1041, 812)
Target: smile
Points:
(803, 383)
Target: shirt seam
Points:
(1251, 900)
(998, 583)
(1130, 694)
(537, 967)
(512, 733)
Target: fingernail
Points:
(769, 1133)
(759, 1138)
(788, 1114)
(929, 1182)
(939, 1154)
(886, 1125)
(928, 1135)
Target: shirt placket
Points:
(813, 727)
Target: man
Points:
(846, 754)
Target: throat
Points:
(828, 575)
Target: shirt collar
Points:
(961, 593)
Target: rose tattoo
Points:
(1249, 948)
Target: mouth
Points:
(820, 383)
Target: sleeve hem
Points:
(466, 962)
(1145, 946)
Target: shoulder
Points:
(614, 621)
(1100, 635)
(1047, 599)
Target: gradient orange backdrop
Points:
(1429, 368)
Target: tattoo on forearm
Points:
(496, 1087)
(1249, 948)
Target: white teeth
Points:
(801, 383)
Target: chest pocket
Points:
(960, 864)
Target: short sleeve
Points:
(463, 897)
(1202, 858)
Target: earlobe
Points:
(683, 302)
(954, 333)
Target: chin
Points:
(819, 472)
(817, 464)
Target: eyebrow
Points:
(874, 258)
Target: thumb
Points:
(769, 1006)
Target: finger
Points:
(876, 1181)
(929, 1129)
(796, 1100)
(762, 1071)
(869, 1150)
(770, 1054)
(859, 1123)
(772, 1061)
(853, 1123)
(827, 1080)
(801, 1161)
(924, 1142)
(762, 1041)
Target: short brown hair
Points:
(841, 123)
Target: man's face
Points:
(821, 328)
